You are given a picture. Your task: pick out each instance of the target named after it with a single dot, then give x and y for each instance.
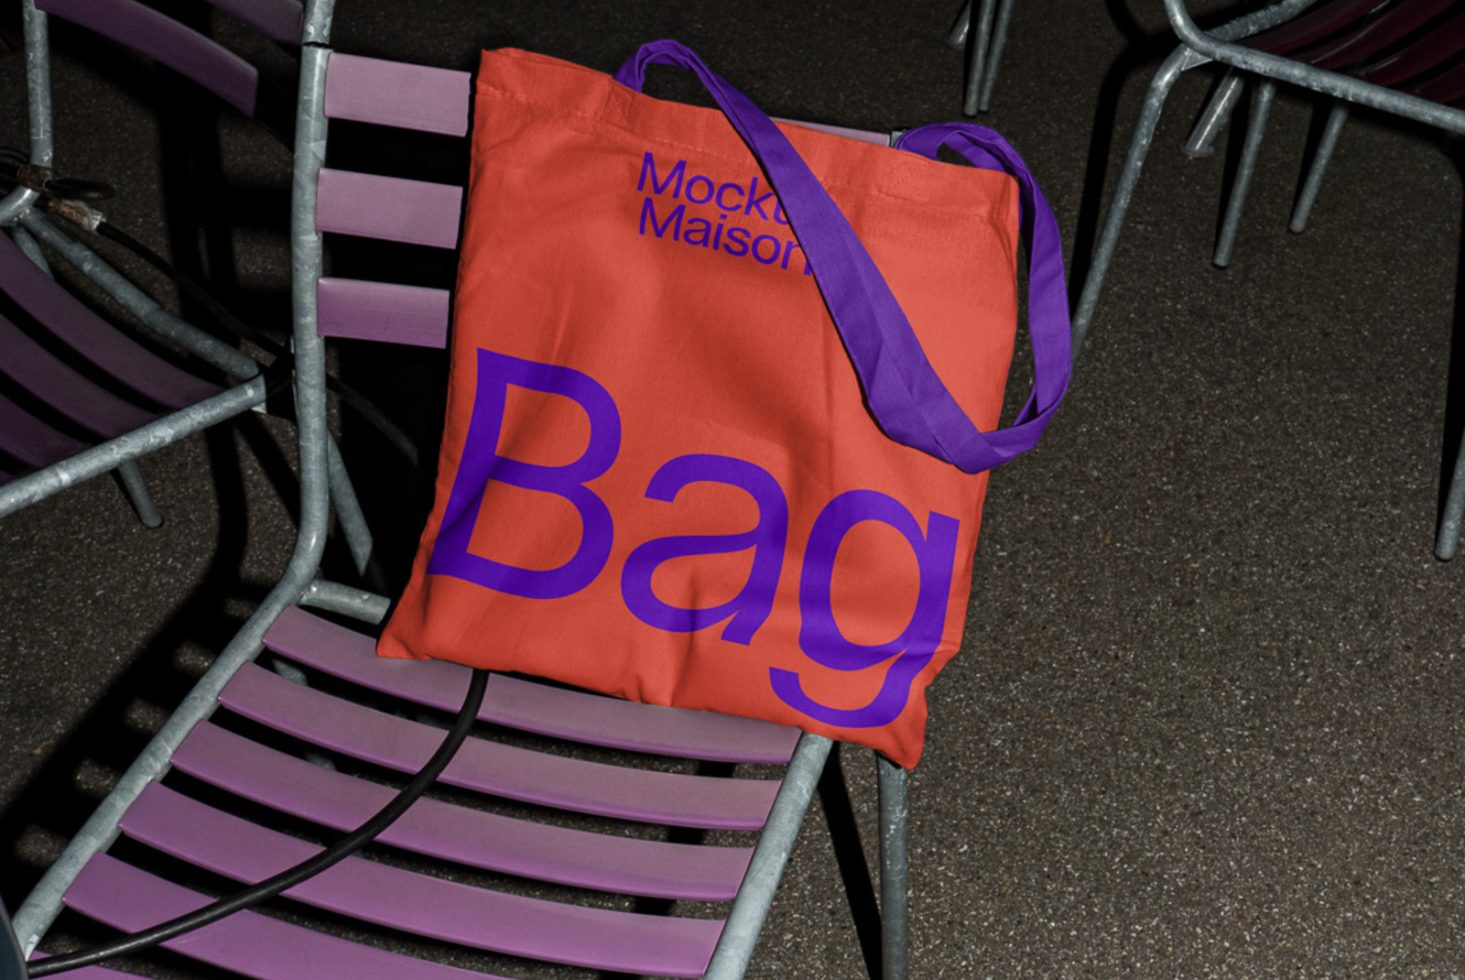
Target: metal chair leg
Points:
(1144, 135)
(894, 871)
(977, 56)
(1256, 128)
(348, 508)
(994, 55)
(956, 37)
(136, 489)
(1337, 116)
(1215, 116)
(1447, 539)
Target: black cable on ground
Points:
(274, 885)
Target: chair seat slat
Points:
(362, 310)
(575, 715)
(130, 899)
(611, 863)
(30, 440)
(278, 20)
(168, 42)
(391, 93)
(420, 904)
(392, 209)
(69, 320)
(36, 370)
(500, 770)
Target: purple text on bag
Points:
(820, 637)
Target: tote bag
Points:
(722, 400)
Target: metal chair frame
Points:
(318, 310)
(984, 52)
(170, 43)
(1221, 46)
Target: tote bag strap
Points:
(908, 400)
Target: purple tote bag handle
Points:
(905, 395)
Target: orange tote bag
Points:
(723, 399)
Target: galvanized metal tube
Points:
(770, 857)
(1217, 47)
(1332, 130)
(994, 54)
(1144, 135)
(1214, 117)
(43, 904)
(1256, 128)
(894, 870)
(205, 346)
(109, 455)
(136, 489)
(346, 600)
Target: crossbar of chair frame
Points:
(1223, 46)
(82, 862)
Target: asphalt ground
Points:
(1207, 717)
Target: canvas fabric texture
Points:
(659, 477)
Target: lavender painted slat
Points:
(390, 93)
(69, 320)
(249, 943)
(37, 371)
(30, 440)
(421, 904)
(360, 310)
(278, 20)
(624, 865)
(390, 208)
(500, 770)
(574, 715)
(168, 42)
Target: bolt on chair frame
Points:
(1198, 48)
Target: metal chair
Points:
(984, 51)
(80, 395)
(1404, 45)
(1422, 99)
(566, 836)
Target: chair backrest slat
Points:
(278, 20)
(380, 311)
(70, 321)
(30, 440)
(390, 208)
(39, 372)
(390, 93)
(168, 42)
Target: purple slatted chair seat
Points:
(573, 715)
(30, 440)
(168, 42)
(247, 943)
(500, 770)
(423, 905)
(39, 372)
(71, 322)
(456, 833)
